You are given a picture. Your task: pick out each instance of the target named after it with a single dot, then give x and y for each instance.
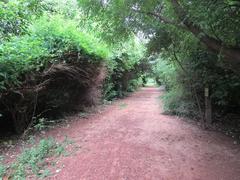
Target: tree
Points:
(214, 23)
(16, 15)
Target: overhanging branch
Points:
(160, 17)
(214, 45)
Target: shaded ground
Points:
(133, 140)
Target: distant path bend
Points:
(132, 140)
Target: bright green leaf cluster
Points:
(47, 39)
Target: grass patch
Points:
(33, 160)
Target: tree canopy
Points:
(214, 23)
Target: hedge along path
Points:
(131, 139)
(53, 70)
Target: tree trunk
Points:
(208, 108)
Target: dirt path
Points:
(132, 140)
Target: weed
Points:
(83, 115)
(45, 174)
(59, 150)
(40, 124)
(31, 140)
(67, 141)
(33, 160)
(2, 168)
(123, 105)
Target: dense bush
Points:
(185, 83)
(16, 15)
(48, 40)
(125, 69)
(55, 62)
(178, 98)
(164, 73)
(222, 81)
(52, 67)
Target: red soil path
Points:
(132, 140)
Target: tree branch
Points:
(160, 17)
(214, 45)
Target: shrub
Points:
(59, 38)
(16, 15)
(2, 168)
(53, 68)
(126, 68)
(47, 41)
(20, 55)
(164, 73)
(185, 82)
(58, 64)
(180, 103)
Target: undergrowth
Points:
(2, 167)
(179, 103)
(47, 39)
(54, 59)
(33, 160)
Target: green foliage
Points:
(124, 68)
(16, 15)
(67, 8)
(177, 99)
(40, 35)
(134, 84)
(41, 124)
(59, 38)
(175, 30)
(165, 73)
(109, 91)
(18, 56)
(150, 82)
(32, 160)
(130, 52)
(222, 81)
(218, 18)
(2, 168)
(179, 102)
(186, 78)
(36, 34)
(47, 40)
